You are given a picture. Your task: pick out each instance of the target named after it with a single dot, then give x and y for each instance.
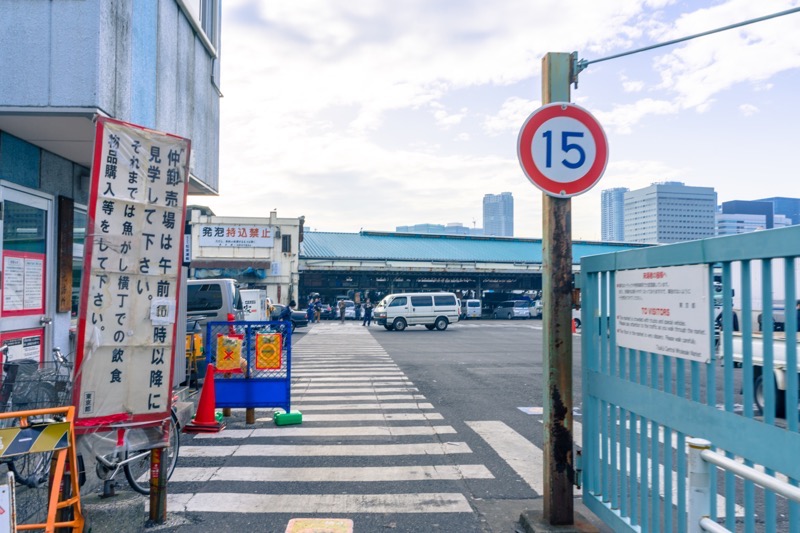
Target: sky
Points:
(371, 114)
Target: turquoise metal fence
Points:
(676, 345)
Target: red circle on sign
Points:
(529, 166)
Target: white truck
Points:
(779, 304)
(780, 370)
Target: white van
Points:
(470, 309)
(431, 309)
(212, 300)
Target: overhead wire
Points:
(581, 64)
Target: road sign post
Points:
(562, 149)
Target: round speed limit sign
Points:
(562, 149)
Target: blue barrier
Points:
(253, 366)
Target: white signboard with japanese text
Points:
(131, 280)
(235, 235)
(665, 310)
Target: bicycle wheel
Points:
(138, 472)
(33, 469)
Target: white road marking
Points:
(332, 474)
(348, 417)
(355, 431)
(307, 504)
(326, 450)
(304, 407)
(308, 391)
(306, 399)
(520, 454)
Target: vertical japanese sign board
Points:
(131, 276)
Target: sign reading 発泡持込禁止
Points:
(235, 235)
(664, 310)
(131, 276)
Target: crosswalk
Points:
(364, 422)
(370, 444)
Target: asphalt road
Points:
(470, 382)
(402, 431)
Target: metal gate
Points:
(648, 389)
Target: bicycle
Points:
(27, 386)
(135, 462)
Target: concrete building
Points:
(669, 212)
(261, 253)
(498, 215)
(155, 64)
(612, 212)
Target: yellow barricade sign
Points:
(268, 351)
(229, 353)
(34, 438)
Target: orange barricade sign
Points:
(268, 351)
(229, 353)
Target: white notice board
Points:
(665, 310)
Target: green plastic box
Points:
(287, 419)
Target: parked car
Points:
(434, 310)
(511, 309)
(299, 318)
(213, 300)
(470, 309)
(327, 312)
(535, 309)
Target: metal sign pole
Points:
(557, 313)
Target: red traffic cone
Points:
(205, 421)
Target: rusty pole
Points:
(558, 469)
(158, 486)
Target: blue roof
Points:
(370, 245)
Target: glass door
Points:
(25, 312)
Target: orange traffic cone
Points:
(205, 421)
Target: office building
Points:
(670, 212)
(612, 212)
(788, 207)
(498, 214)
(735, 223)
(751, 207)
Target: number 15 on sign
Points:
(562, 149)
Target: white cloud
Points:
(632, 86)
(511, 116)
(373, 114)
(748, 109)
(622, 118)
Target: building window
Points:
(286, 244)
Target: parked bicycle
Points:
(134, 459)
(28, 385)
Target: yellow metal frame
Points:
(63, 457)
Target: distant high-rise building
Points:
(612, 212)
(498, 214)
(751, 207)
(788, 207)
(452, 228)
(670, 212)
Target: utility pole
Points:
(559, 473)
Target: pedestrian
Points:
(342, 307)
(317, 310)
(310, 312)
(358, 311)
(367, 314)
